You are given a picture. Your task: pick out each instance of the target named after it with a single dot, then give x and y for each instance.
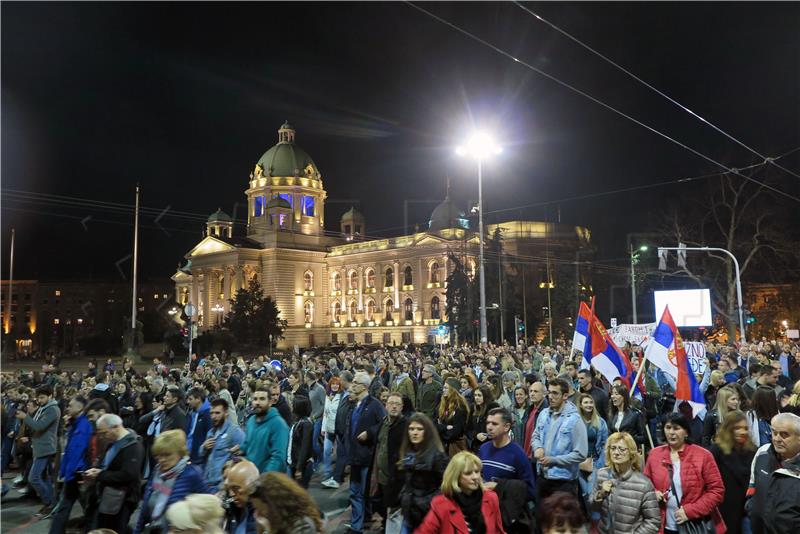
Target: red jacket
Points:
(701, 483)
(445, 516)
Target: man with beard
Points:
(267, 435)
(222, 437)
(168, 416)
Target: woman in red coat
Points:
(464, 504)
(692, 471)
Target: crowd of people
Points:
(455, 439)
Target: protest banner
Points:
(635, 334)
(696, 352)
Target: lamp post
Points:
(219, 309)
(480, 147)
(634, 259)
(189, 310)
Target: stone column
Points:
(226, 290)
(420, 283)
(345, 283)
(194, 295)
(397, 278)
(238, 278)
(208, 299)
(361, 289)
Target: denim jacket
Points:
(567, 447)
(229, 435)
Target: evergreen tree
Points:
(253, 317)
(459, 309)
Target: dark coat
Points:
(458, 420)
(477, 424)
(343, 415)
(422, 478)
(368, 421)
(125, 469)
(396, 431)
(301, 444)
(735, 471)
(775, 504)
(632, 423)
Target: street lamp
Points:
(480, 146)
(219, 309)
(634, 259)
(190, 310)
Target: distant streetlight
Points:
(634, 259)
(219, 309)
(480, 146)
(173, 311)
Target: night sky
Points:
(184, 98)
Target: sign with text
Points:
(635, 334)
(696, 352)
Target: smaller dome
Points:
(447, 215)
(352, 214)
(278, 202)
(219, 216)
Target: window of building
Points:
(308, 312)
(370, 313)
(337, 311)
(408, 276)
(155, 297)
(353, 280)
(258, 206)
(358, 229)
(409, 310)
(388, 277)
(347, 228)
(334, 338)
(351, 311)
(387, 338)
(288, 198)
(164, 296)
(370, 277)
(406, 337)
(337, 281)
(58, 292)
(367, 338)
(56, 321)
(435, 308)
(434, 273)
(351, 338)
(388, 309)
(308, 206)
(308, 281)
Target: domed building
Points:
(336, 288)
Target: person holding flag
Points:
(581, 335)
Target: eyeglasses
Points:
(614, 448)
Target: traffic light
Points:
(520, 325)
(749, 318)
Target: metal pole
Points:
(524, 303)
(549, 306)
(738, 280)
(135, 302)
(480, 267)
(500, 293)
(633, 286)
(191, 335)
(10, 294)
(516, 332)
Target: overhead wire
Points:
(566, 85)
(766, 159)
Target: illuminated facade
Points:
(335, 288)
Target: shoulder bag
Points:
(703, 525)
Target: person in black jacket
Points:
(118, 479)
(169, 415)
(300, 450)
(387, 453)
(623, 417)
(280, 404)
(103, 391)
(361, 434)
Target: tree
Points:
(254, 317)
(459, 309)
(742, 218)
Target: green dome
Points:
(286, 158)
(447, 215)
(278, 202)
(352, 213)
(219, 216)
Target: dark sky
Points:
(184, 98)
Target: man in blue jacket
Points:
(266, 435)
(198, 421)
(222, 437)
(362, 433)
(73, 462)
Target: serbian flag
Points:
(666, 350)
(606, 357)
(581, 337)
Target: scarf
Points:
(162, 488)
(471, 507)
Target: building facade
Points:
(338, 287)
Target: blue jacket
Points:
(567, 446)
(232, 520)
(188, 482)
(228, 435)
(200, 430)
(74, 459)
(266, 442)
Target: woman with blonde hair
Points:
(452, 418)
(286, 506)
(173, 479)
(625, 497)
(196, 514)
(793, 404)
(464, 505)
(728, 399)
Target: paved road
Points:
(16, 512)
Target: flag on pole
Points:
(581, 336)
(667, 351)
(605, 355)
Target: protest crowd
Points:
(425, 439)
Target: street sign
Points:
(189, 310)
(793, 334)
(613, 322)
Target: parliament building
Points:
(340, 287)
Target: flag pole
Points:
(636, 380)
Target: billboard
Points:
(689, 307)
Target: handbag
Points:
(111, 501)
(703, 525)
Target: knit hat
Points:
(453, 383)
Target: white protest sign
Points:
(696, 352)
(635, 334)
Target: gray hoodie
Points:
(44, 429)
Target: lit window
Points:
(388, 305)
(308, 311)
(409, 310)
(370, 278)
(408, 278)
(288, 198)
(435, 314)
(308, 281)
(308, 206)
(337, 282)
(155, 297)
(434, 273)
(258, 206)
(388, 277)
(337, 311)
(80, 321)
(56, 321)
(352, 311)
(164, 296)
(58, 292)
(370, 310)
(353, 280)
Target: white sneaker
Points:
(330, 483)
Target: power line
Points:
(598, 102)
(766, 159)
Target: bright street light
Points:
(643, 248)
(480, 146)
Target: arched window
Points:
(308, 281)
(369, 276)
(471, 269)
(337, 281)
(408, 276)
(388, 277)
(351, 311)
(337, 311)
(308, 312)
(409, 310)
(434, 268)
(353, 280)
(435, 314)
(388, 305)
(370, 311)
